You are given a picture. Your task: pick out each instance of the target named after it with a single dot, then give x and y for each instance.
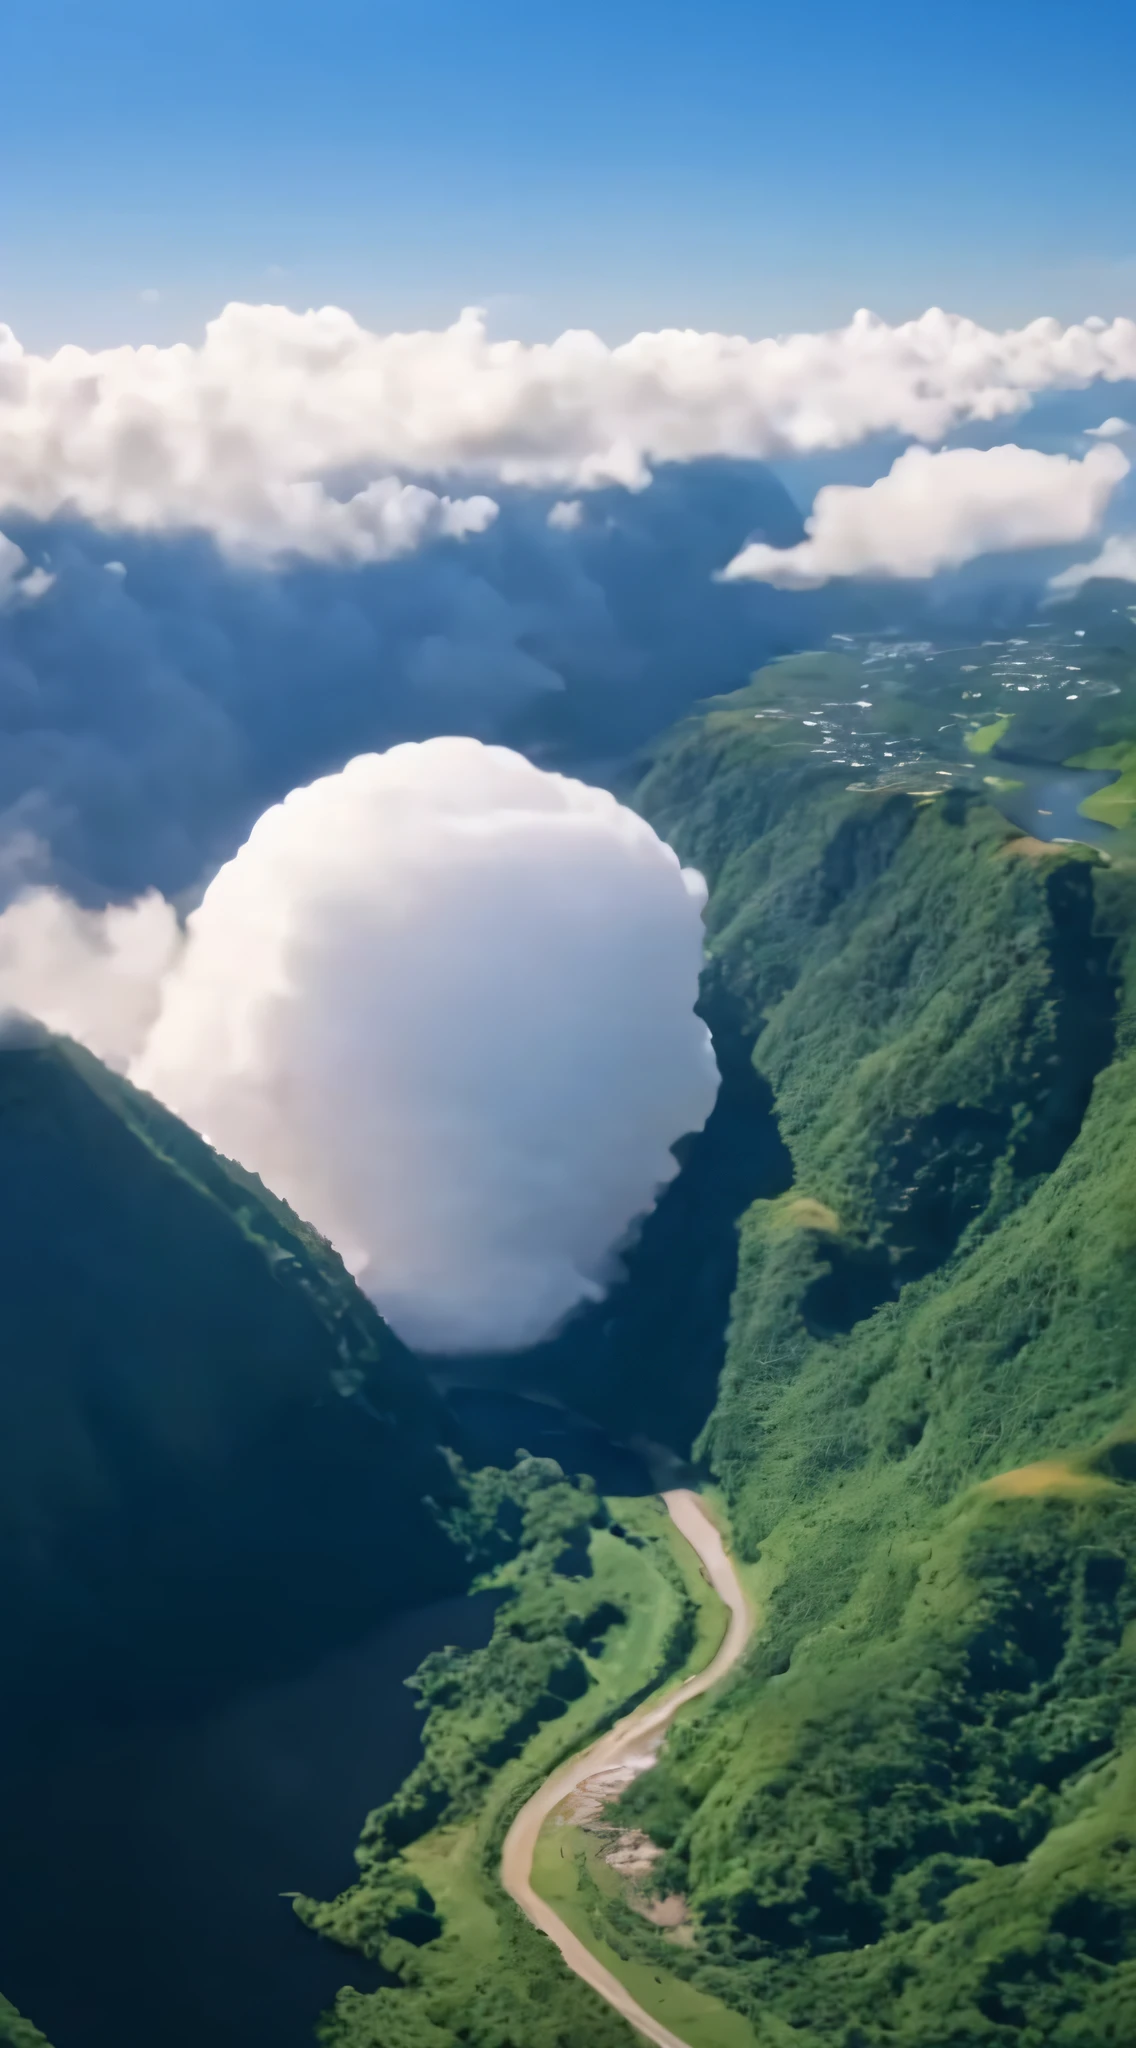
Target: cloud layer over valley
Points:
(226, 568)
(440, 999)
(159, 695)
(288, 432)
(442, 1002)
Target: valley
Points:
(885, 1315)
(908, 1816)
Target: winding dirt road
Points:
(631, 1746)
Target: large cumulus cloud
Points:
(937, 511)
(441, 1001)
(289, 432)
(228, 567)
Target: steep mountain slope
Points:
(911, 1818)
(215, 1453)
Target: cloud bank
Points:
(92, 975)
(1117, 559)
(232, 566)
(288, 434)
(18, 580)
(442, 1002)
(937, 511)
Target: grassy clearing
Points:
(1115, 805)
(1048, 1475)
(1029, 848)
(570, 1872)
(986, 737)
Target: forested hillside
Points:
(215, 1452)
(910, 1820)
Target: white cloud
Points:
(936, 511)
(1117, 558)
(1110, 429)
(13, 562)
(17, 579)
(287, 432)
(387, 518)
(442, 1002)
(93, 975)
(35, 584)
(566, 514)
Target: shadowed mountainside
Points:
(215, 1452)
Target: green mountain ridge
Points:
(216, 1454)
(910, 1819)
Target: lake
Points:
(1046, 804)
(142, 1870)
(142, 1866)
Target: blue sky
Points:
(608, 163)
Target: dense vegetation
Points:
(215, 1452)
(593, 1614)
(911, 1818)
